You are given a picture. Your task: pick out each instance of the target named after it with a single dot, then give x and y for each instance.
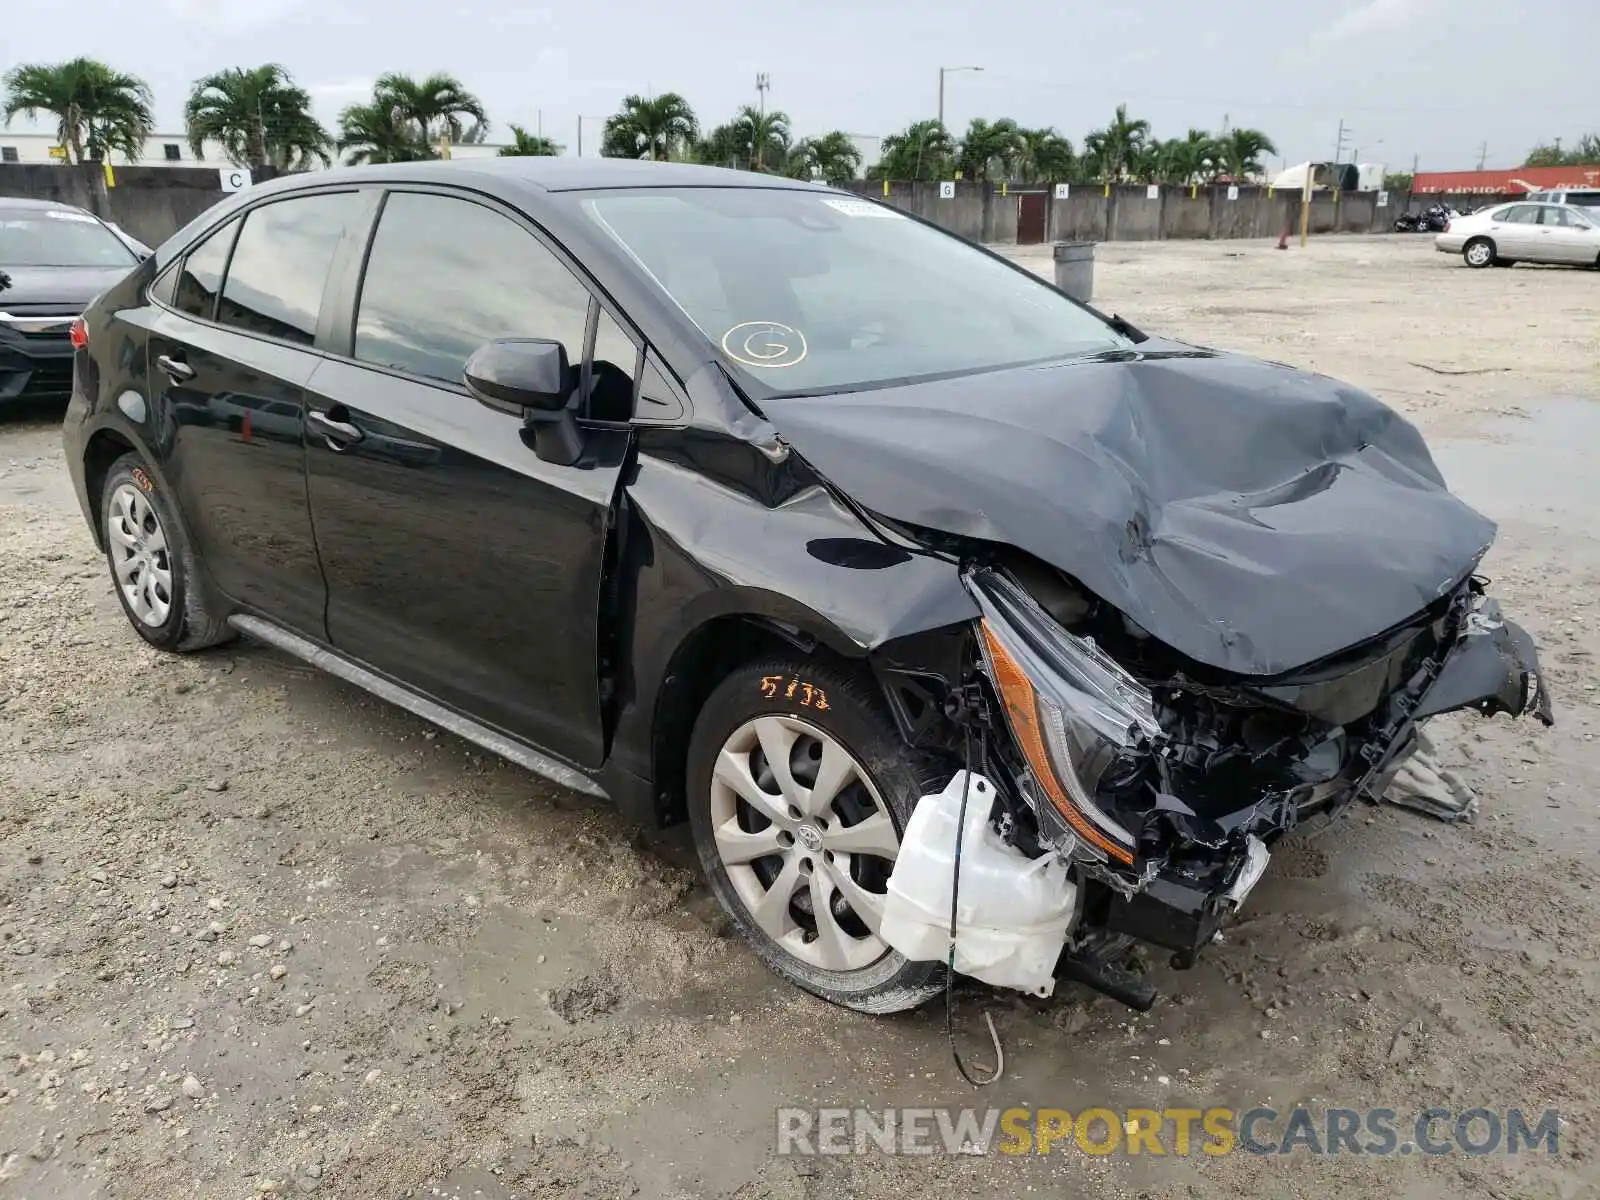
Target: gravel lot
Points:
(260, 933)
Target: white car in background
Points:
(1524, 232)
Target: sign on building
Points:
(234, 179)
(1063, 190)
(1383, 199)
(59, 153)
(1153, 192)
(947, 189)
(1233, 191)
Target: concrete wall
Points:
(1095, 212)
(151, 203)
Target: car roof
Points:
(551, 174)
(27, 203)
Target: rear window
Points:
(201, 277)
(50, 237)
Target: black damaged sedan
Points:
(752, 504)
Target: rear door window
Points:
(1584, 199)
(1522, 214)
(201, 277)
(281, 263)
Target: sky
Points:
(1437, 81)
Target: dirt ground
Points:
(261, 933)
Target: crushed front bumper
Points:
(1172, 875)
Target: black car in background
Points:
(758, 505)
(54, 259)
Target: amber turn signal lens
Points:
(1022, 710)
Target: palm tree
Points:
(374, 133)
(724, 146)
(1188, 159)
(528, 145)
(435, 105)
(924, 150)
(766, 135)
(1046, 157)
(1117, 147)
(990, 150)
(657, 128)
(1242, 150)
(833, 158)
(97, 109)
(258, 116)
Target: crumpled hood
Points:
(1251, 516)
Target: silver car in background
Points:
(1524, 232)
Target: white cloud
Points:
(230, 16)
(1377, 16)
(338, 91)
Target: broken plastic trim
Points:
(1071, 709)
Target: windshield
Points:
(806, 291)
(49, 237)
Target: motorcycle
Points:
(1433, 219)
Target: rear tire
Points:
(772, 861)
(153, 569)
(1479, 253)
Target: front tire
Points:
(152, 567)
(1479, 253)
(799, 787)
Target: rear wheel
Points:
(1479, 252)
(152, 567)
(799, 789)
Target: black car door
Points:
(457, 561)
(229, 359)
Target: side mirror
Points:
(516, 374)
(530, 378)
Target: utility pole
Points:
(1338, 145)
(943, 71)
(1483, 155)
(581, 120)
(763, 82)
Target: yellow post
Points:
(1194, 191)
(1305, 206)
(886, 188)
(1003, 191)
(444, 145)
(111, 178)
(1108, 187)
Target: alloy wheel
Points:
(140, 559)
(806, 840)
(1478, 254)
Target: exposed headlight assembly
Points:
(1073, 711)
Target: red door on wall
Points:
(1031, 211)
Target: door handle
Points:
(338, 433)
(177, 370)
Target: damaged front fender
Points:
(1493, 667)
